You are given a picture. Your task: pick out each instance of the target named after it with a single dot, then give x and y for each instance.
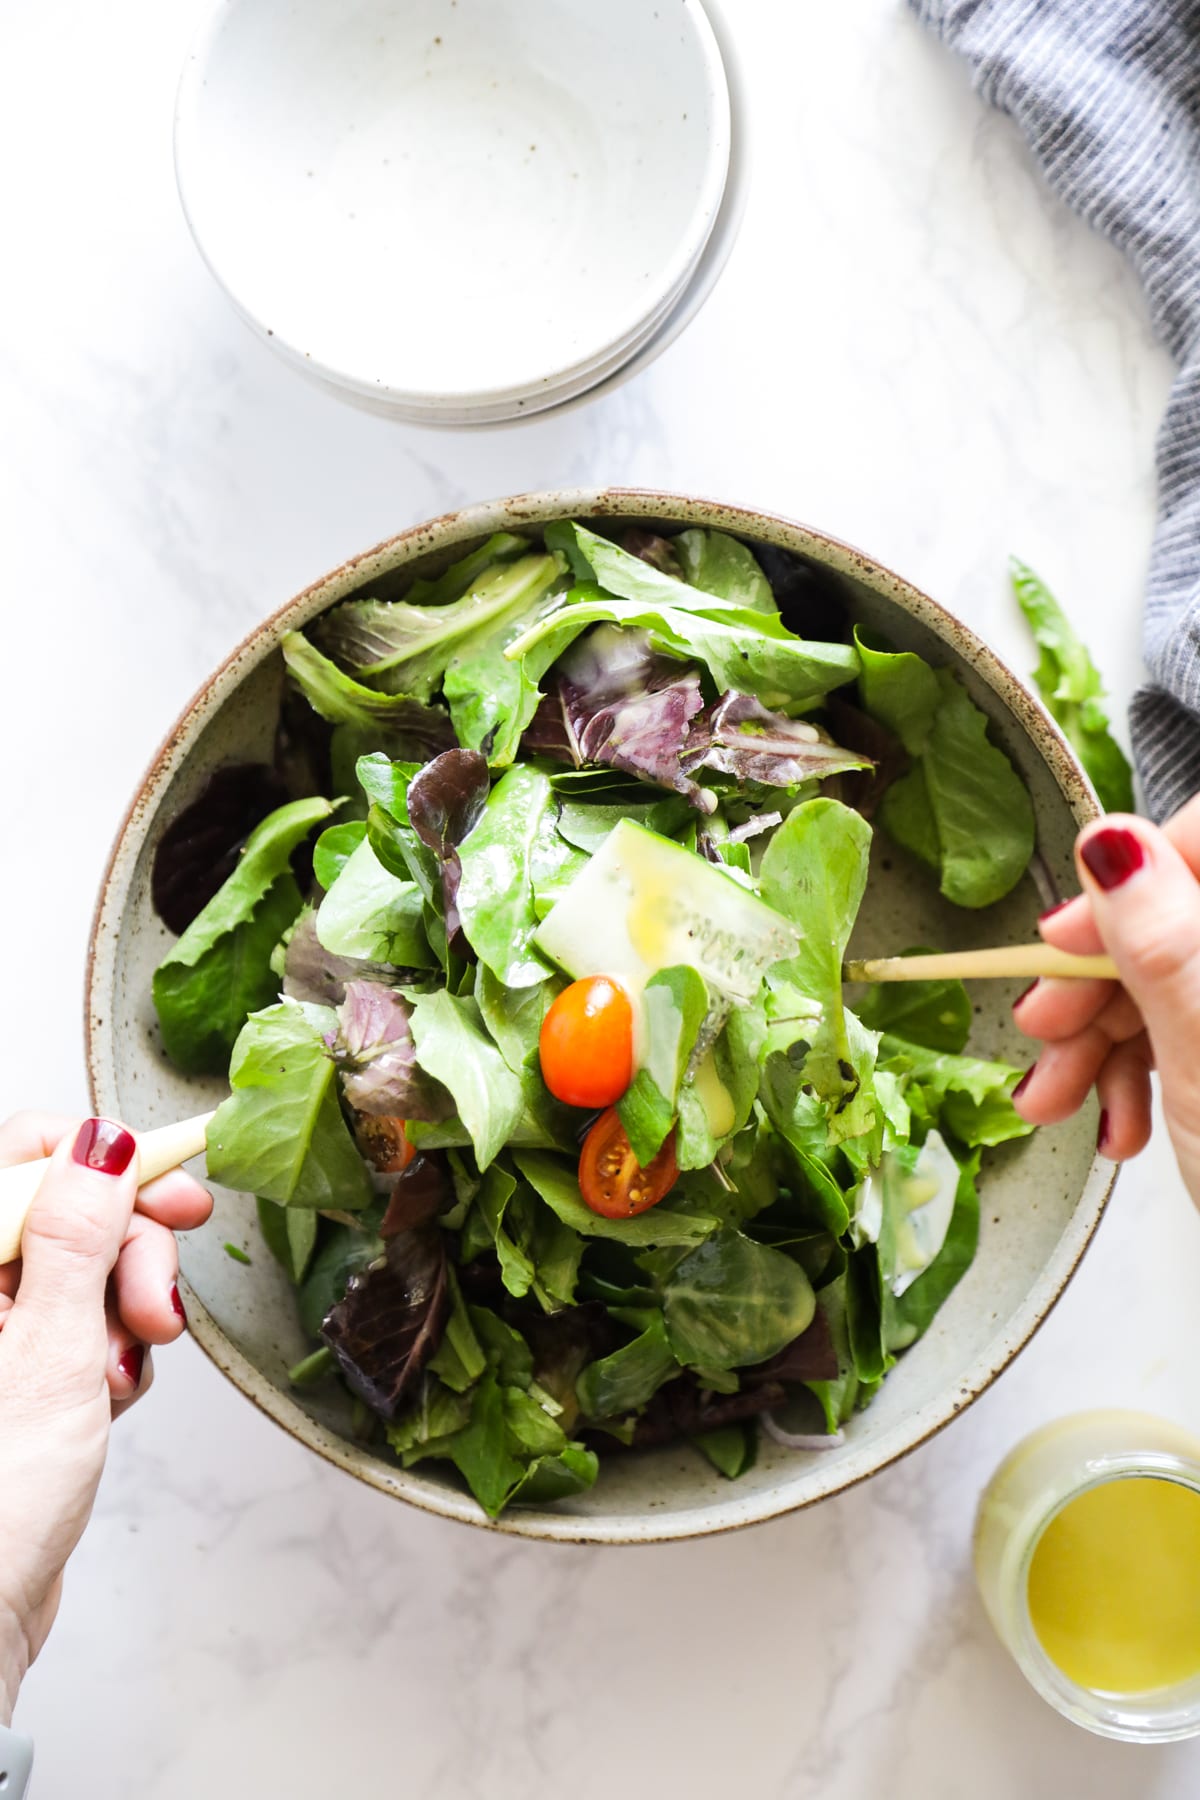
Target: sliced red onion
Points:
(801, 1440)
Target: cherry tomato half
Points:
(610, 1179)
(384, 1143)
(586, 1043)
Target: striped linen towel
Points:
(1108, 94)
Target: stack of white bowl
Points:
(463, 212)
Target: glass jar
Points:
(1032, 1486)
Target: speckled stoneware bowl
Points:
(1042, 1198)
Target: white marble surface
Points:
(915, 347)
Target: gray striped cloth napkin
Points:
(1108, 94)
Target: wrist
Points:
(14, 1661)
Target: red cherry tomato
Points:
(610, 1179)
(586, 1044)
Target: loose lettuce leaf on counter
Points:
(399, 648)
(220, 970)
(281, 1133)
(1070, 684)
(962, 809)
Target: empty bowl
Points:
(454, 206)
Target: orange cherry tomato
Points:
(384, 1143)
(586, 1043)
(611, 1180)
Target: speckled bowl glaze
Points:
(1041, 1199)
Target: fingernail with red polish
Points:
(1051, 910)
(1112, 856)
(1022, 998)
(104, 1146)
(1102, 1131)
(177, 1302)
(132, 1363)
(1024, 1082)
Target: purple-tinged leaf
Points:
(741, 737)
(445, 800)
(883, 754)
(380, 1073)
(199, 849)
(310, 972)
(809, 1357)
(421, 1190)
(391, 1320)
(631, 709)
(548, 733)
(659, 552)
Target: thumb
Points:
(1146, 905)
(74, 1231)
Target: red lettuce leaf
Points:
(659, 552)
(380, 1073)
(391, 1320)
(446, 799)
(421, 1190)
(626, 706)
(741, 737)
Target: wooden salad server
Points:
(158, 1153)
(170, 1145)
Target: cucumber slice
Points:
(644, 904)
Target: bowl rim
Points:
(671, 282)
(444, 533)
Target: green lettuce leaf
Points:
(369, 914)
(674, 1007)
(623, 1382)
(733, 1302)
(400, 648)
(220, 969)
(814, 872)
(512, 848)
(281, 1133)
(1070, 684)
(934, 1014)
(719, 564)
(963, 809)
(453, 1047)
(344, 701)
(968, 1097)
(747, 651)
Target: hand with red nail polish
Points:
(1141, 904)
(96, 1283)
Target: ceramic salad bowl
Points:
(1041, 1198)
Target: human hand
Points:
(96, 1285)
(1141, 903)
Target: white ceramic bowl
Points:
(1042, 1198)
(451, 203)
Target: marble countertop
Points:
(915, 347)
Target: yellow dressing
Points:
(714, 1096)
(1114, 1586)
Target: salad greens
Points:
(1070, 684)
(552, 762)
